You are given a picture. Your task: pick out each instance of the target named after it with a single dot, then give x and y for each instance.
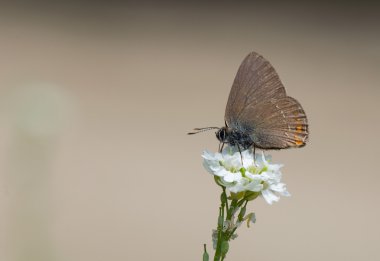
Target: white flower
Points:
(240, 173)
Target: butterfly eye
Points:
(221, 134)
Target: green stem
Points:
(232, 232)
(225, 214)
(241, 202)
(225, 197)
(220, 231)
(221, 234)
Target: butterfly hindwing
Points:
(258, 106)
(283, 124)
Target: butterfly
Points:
(259, 114)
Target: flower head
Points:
(246, 173)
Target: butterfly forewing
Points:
(256, 82)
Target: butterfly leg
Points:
(254, 154)
(241, 156)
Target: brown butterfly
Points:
(259, 114)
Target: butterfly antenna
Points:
(198, 130)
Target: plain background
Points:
(99, 98)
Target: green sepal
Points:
(250, 195)
(217, 181)
(238, 195)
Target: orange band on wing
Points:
(298, 140)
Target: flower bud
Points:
(205, 254)
(224, 247)
(242, 213)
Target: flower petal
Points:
(269, 196)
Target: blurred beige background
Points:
(96, 101)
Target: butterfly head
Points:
(222, 134)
